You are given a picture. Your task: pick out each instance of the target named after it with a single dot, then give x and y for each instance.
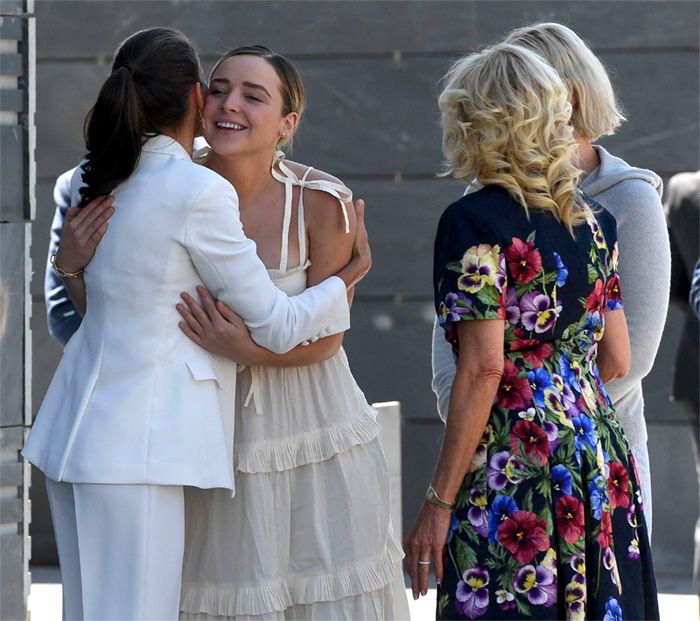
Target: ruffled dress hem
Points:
(231, 601)
(313, 447)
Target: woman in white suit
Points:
(136, 410)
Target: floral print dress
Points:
(548, 522)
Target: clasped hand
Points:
(215, 327)
(83, 228)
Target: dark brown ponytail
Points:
(146, 93)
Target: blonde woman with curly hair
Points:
(533, 509)
(633, 197)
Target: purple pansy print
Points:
(633, 549)
(632, 515)
(608, 559)
(496, 472)
(512, 306)
(552, 432)
(539, 583)
(568, 402)
(501, 273)
(537, 312)
(575, 597)
(455, 306)
(478, 514)
(472, 595)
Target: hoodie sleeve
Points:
(444, 370)
(644, 269)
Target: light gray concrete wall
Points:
(371, 71)
(17, 137)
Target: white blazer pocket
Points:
(203, 369)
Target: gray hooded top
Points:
(633, 196)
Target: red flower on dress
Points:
(534, 352)
(514, 392)
(570, 519)
(618, 486)
(605, 530)
(612, 288)
(533, 438)
(594, 301)
(523, 260)
(523, 535)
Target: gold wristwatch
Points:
(432, 497)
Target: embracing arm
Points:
(62, 316)
(219, 330)
(694, 298)
(330, 249)
(230, 268)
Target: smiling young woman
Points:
(308, 534)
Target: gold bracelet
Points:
(63, 273)
(432, 497)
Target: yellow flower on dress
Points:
(479, 267)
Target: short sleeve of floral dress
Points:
(548, 521)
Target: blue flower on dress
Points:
(561, 480)
(595, 488)
(540, 381)
(562, 272)
(585, 432)
(567, 371)
(501, 509)
(454, 525)
(613, 611)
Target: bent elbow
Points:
(613, 367)
(489, 372)
(623, 367)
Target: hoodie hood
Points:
(613, 170)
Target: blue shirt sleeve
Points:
(62, 316)
(695, 290)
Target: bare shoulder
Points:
(324, 213)
(315, 175)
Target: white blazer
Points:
(133, 399)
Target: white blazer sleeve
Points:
(230, 268)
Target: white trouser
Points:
(120, 548)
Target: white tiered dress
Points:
(308, 533)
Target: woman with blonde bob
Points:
(533, 509)
(633, 197)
